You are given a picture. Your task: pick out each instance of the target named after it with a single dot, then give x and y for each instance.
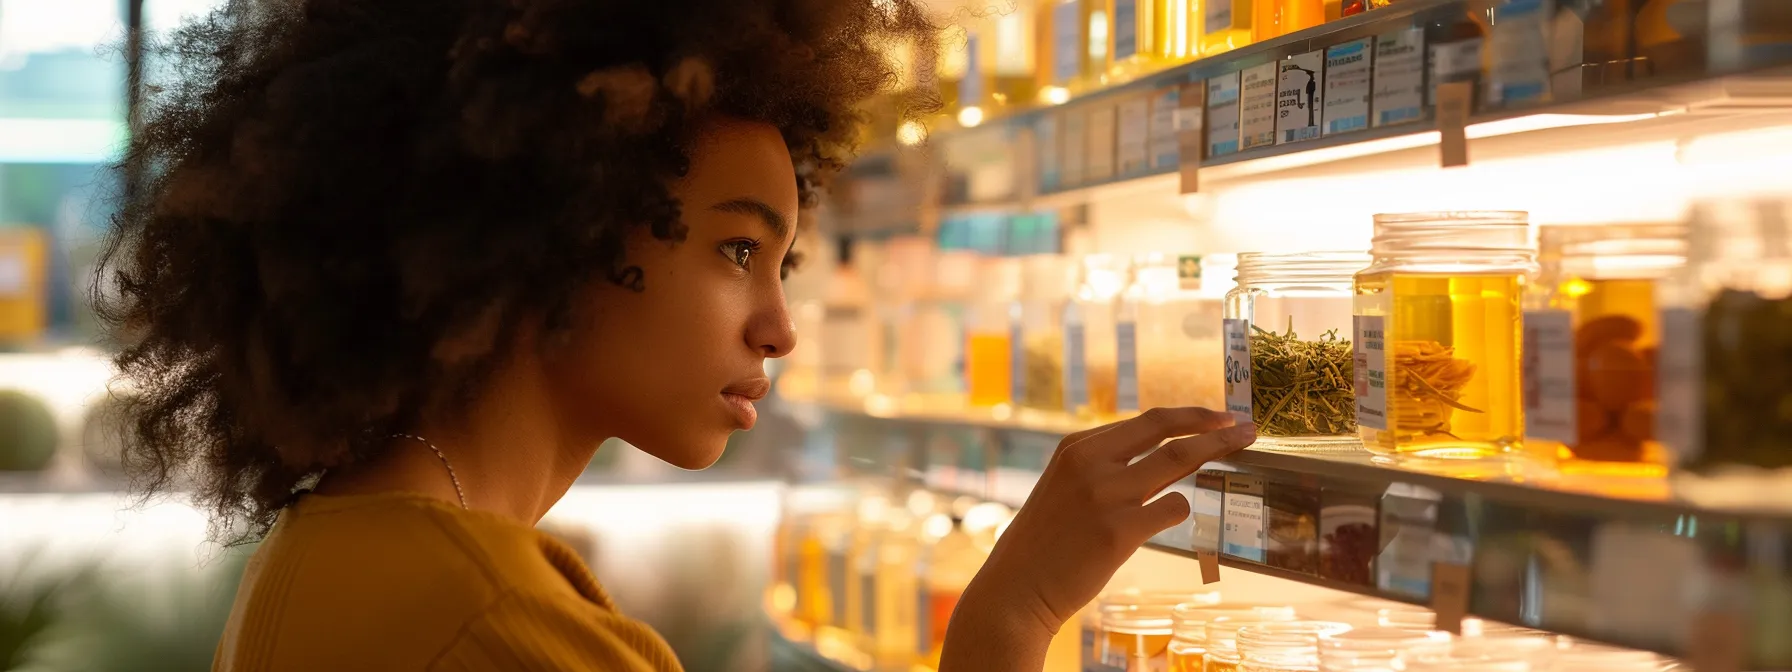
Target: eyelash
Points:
(752, 247)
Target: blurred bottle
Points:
(846, 333)
(1280, 17)
(869, 526)
(1458, 49)
(1227, 25)
(24, 285)
(1148, 35)
(1670, 35)
(989, 334)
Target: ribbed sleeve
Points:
(550, 633)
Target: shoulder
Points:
(545, 631)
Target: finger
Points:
(1177, 459)
(1131, 437)
(1161, 514)
(1074, 438)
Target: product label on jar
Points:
(1218, 16)
(1399, 77)
(1681, 421)
(1135, 131)
(1126, 367)
(1165, 144)
(838, 575)
(1222, 115)
(1548, 375)
(1243, 535)
(1075, 150)
(1209, 507)
(1257, 105)
(1067, 42)
(1300, 97)
(1237, 336)
(1347, 87)
(1371, 364)
(970, 89)
(868, 594)
(1017, 365)
(1045, 139)
(1454, 62)
(1076, 369)
(1126, 29)
(1101, 145)
(1520, 42)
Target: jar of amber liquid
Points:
(1188, 641)
(1136, 638)
(1437, 335)
(1591, 332)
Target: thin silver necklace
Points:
(444, 459)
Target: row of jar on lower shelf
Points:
(1616, 350)
(870, 579)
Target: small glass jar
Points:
(1222, 641)
(1367, 649)
(1438, 333)
(1287, 349)
(1090, 352)
(1406, 617)
(1291, 646)
(1724, 367)
(989, 332)
(1048, 282)
(1188, 645)
(1171, 314)
(1591, 334)
(935, 362)
(1136, 637)
(1107, 640)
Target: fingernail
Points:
(1243, 432)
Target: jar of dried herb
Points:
(1048, 282)
(1091, 353)
(1726, 392)
(1437, 335)
(1591, 336)
(1287, 362)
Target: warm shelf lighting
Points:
(911, 133)
(970, 117)
(1055, 95)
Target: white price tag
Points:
(1237, 336)
(1222, 115)
(1134, 139)
(1347, 86)
(1548, 375)
(1257, 105)
(1243, 534)
(1300, 95)
(1399, 95)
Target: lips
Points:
(739, 398)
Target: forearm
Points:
(987, 635)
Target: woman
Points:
(396, 268)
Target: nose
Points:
(770, 331)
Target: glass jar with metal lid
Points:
(1437, 334)
(1287, 348)
(1188, 644)
(1291, 646)
(1591, 334)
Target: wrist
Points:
(997, 629)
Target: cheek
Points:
(685, 329)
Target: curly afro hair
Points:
(337, 197)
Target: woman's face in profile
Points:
(674, 369)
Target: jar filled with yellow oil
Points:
(1437, 333)
(1188, 641)
(1591, 333)
(1091, 356)
(988, 333)
(1148, 35)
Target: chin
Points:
(691, 453)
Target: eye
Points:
(740, 252)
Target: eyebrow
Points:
(747, 205)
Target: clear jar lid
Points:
(1192, 619)
(1627, 251)
(1310, 268)
(1344, 650)
(1406, 617)
(1295, 642)
(1453, 241)
(1222, 632)
(1137, 619)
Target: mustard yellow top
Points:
(405, 582)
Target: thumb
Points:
(1161, 514)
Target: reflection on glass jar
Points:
(1291, 646)
(1172, 310)
(1365, 649)
(1437, 329)
(1288, 363)
(1591, 334)
(1048, 282)
(1091, 354)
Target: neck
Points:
(512, 458)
